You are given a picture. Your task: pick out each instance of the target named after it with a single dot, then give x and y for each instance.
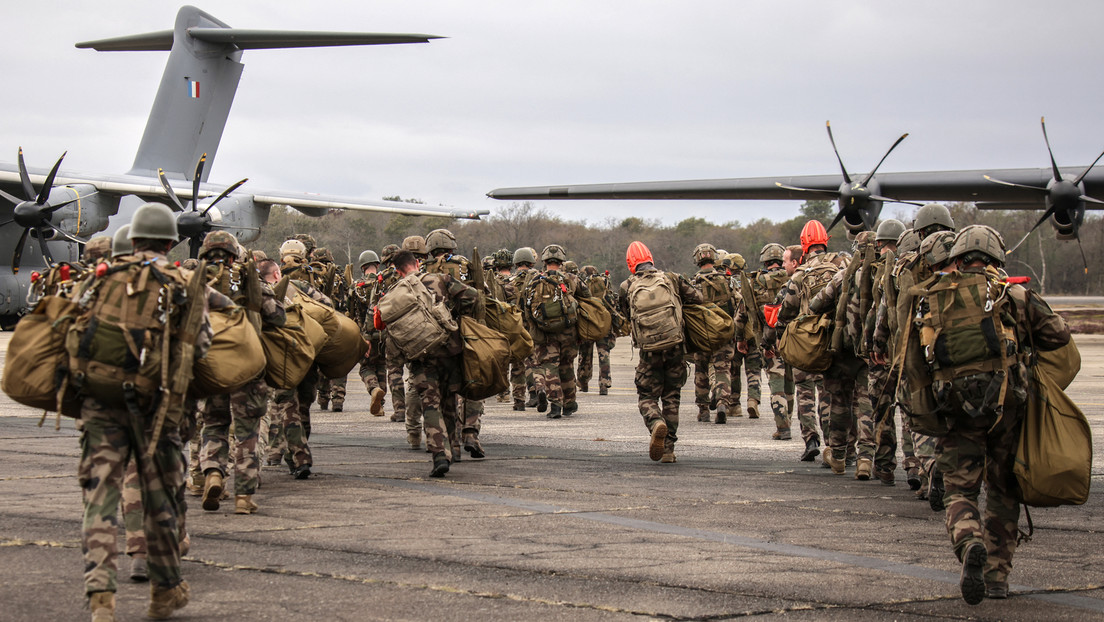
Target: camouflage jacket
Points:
(502, 287)
(575, 287)
(229, 281)
(707, 276)
(795, 295)
(908, 270)
(848, 313)
(765, 285)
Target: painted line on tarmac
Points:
(792, 550)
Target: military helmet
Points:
(554, 252)
(190, 263)
(571, 267)
(98, 248)
(590, 270)
(908, 241)
(933, 214)
(293, 248)
(771, 252)
(388, 252)
(979, 239)
(440, 239)
(889, 230)
(308, 241)
(220, 240)
(636, 254)
(502, 259)
(813, 234)
(367, 257)
(153, 221)
(936, 248)
(488, 263)
(525, 254)
(864, 238)
(415, 244)
(705, 253)
(258, 254)
(736, 260)
(322, 254)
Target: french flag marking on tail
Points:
(193, 89)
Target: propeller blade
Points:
(196, 179)
(835, 221)
(234, 228)
(832, 139)
(1086, 172)
(224, 194)
(7, 222)
(169, 190)
(49, 185)
(64, 234)
(1053, 164)
(1008, 183)
(1089, 199)
(832, 193)
(45, 250)
(28, 188)
(870, 175)
(1082, 249)
(194, 245)
(878, 197)
(18, 254)
(1046, 214)
(10, 198)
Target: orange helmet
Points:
(811, 234)
(636, 255)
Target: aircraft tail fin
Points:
(201, 78)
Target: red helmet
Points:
(636, 255)
(811, 234)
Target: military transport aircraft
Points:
(60, 208)
(1064, 193)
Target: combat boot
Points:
(195, 484)
(542, 401)
(657, 443)
(532, 399)
(519, 405)
(503, 398)
(398, 417)
(472, 446)
(864, 469)
(554, 412)
(912, 476)
(103, 606)
(603, 390)
(323, 403)
(886, 477)
(440, 465)
(377, 402)
(936, 490)
(243, 504)
(836, 464)
(972, 580)
(138, 571)
(722, 418)
(996, 591)
(338, 406)
(415, 439)
(212, 490)
(812, 449)
(669, 457)
(753, 409)
(584, 386)
(782, 435)
(570, 408)
(703, 412)
(164, 601)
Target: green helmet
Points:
(153, 221)
(440, 239)
(933, 214)
(771, 252)
(367, 257)
(705, 253)
(389, 251)
(936, 248)
(415, 244)
(976, 241)
(553, 252)
(571, 267)
(889, 230)
(525, 254)
(908, 241)
(502, 259)
(863, 238)
(99, 248)
(322, 255)
(220, 240)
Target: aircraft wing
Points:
(310, 204)
(960, 185)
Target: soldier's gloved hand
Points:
(742, 347)
(769, 353)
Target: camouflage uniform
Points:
(555, 352)
(765, 286)
(660, 374)
(393, 361)
(713, 371)
(329, 278)
(521, 373)
(603, 345)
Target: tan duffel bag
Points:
(37, 361)
(235, 357)
(290, 349)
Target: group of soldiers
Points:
(879, 299)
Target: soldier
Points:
(549, 300)
(499, 286)
(97, 249)
(373, 368)
(414, 428)
(761, 289)
(734, 264)
(246, 406)
(144, 429)
(811, 403)
(522, 376)
(330, 280)
(599, 286)
(651, 301)
(983, 394)
(437, 375)
(392, 360)
(714, 287)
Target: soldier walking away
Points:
(761, 288)
(713, 369)
(599, 285)
(651, 301)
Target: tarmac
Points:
(564, 519)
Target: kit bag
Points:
(805, 343)
(594, 320)
(236, 355)
(656, 311)
(289, 349)
(551, 304)
(506, 319)
(417, 324)
(485, 360)
(1054, 456)
(708, 327)
(37, 363)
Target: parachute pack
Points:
(550, 303)
(417, 324)
(715, 289)
(708, 328)
(656, 311)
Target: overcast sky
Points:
(566, 91)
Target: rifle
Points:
(755, 315)
(840, 318)
(479, 282)
(252, 294)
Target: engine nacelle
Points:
(239, 215)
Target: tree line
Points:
(1056, 267)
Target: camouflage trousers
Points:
(980, 450)
(133, 516)
(373, 372)
(736, 384)
(811, 403)
(851, 415)
(244, 408)
(555, 373)
(713, 377)
(395, 364)
(437, 381)
(780, 404)
(286, 438)
(414, 405)
(521, 377)
(111, 437)
(753, 372)
(586, 361)
(660, 376)
(332, 390)
(883, 395)
(306, 392)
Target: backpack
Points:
(550, 302)
(417, 324)
(594, 319)
(599, 287)
(37, 363)
(506, 319)
(708, 328)
(485, 360)
(715, 289)
(1054, 456)
(815, 276)
(343, 347)
(656, 311)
